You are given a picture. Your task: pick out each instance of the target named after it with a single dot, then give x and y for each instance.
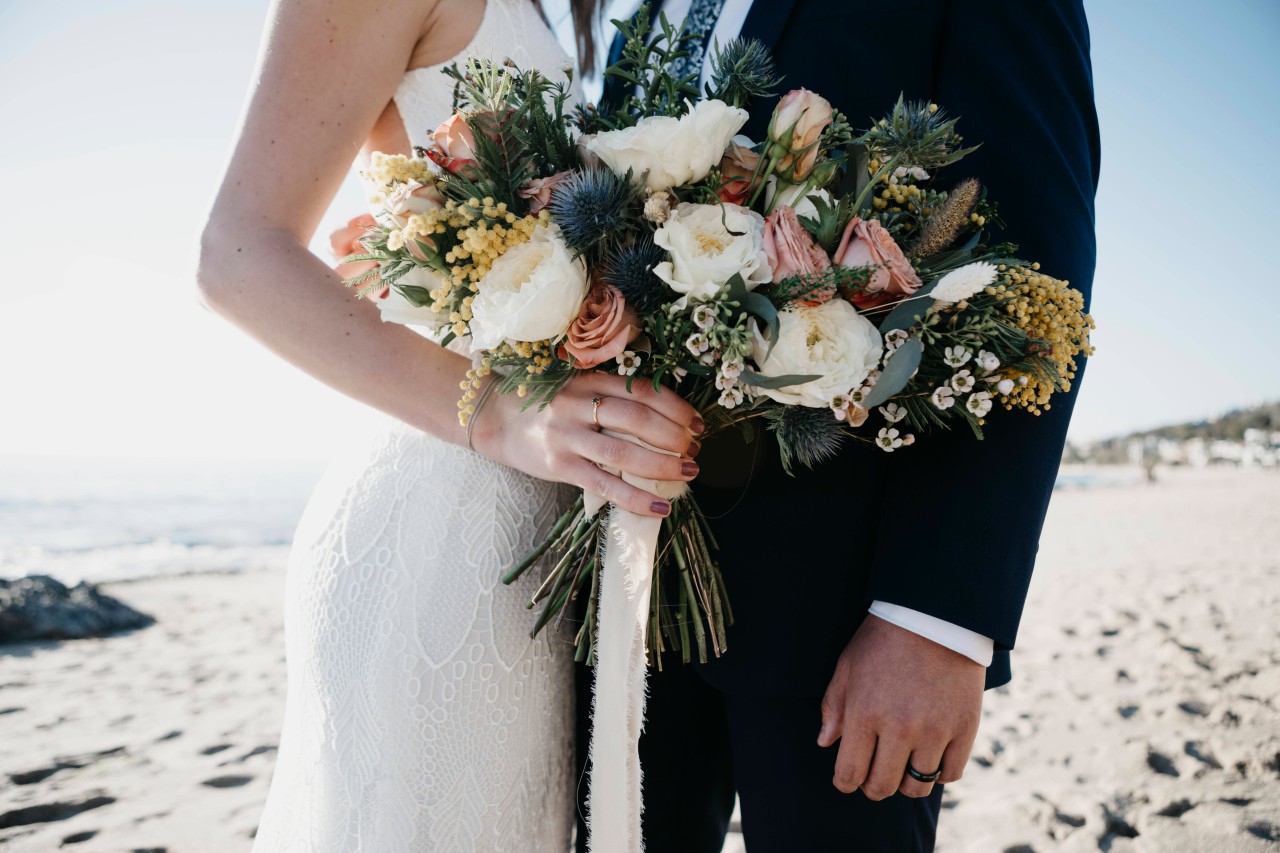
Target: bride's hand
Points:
(562, 443)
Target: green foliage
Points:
(645, 68)
(521, 130)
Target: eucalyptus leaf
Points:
(759, 306)
(736, 289)
(750, 377)
(897, 373)
(902, 316)
(862, 177)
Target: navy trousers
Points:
(701, 744)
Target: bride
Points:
(420, 715)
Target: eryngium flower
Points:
(591, 206)
(743, 70)
(917, 133)
(806, 435)
(630, 269)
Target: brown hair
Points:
(585, 13)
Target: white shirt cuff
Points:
(971, 644)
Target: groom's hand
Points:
(898, 698)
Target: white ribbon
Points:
(614, 804)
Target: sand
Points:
(1144, 713)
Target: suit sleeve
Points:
(962, 518)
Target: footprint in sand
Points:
(1197, 750)
(227, 781)
(1161, 763)
(78, 837)
(1177, 808)
(49, 812)
(1265, 830)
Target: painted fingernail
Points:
(694, 447)
(698, 425)
(660, 508)
(689, 469)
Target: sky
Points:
(119, 115)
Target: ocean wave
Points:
(136, 560)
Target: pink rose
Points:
(866, 244)
(797, 125)
(790, 248)
(454, 145)
(346, 241)
(604, 327)
(538, 191)
(738, 168)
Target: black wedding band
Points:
(927, 778)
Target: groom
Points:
(877, 596)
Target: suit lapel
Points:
(766, 21)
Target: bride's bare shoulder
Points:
(447, 28)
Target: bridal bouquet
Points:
(823, 284)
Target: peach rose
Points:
(866, 244)
(797, 125)
(604, 327)
(738, 166)
(538, 191)
(789, 247)
(346, 241)
(454, 145)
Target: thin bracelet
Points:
(471, 421)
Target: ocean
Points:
(113, 519)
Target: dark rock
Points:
(41, 608)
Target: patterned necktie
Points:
(701, 22)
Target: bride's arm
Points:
(326, 72)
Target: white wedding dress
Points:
(420, 715)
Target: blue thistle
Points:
(743, 71)
(591, 206)
(630, 269)
(806, 435)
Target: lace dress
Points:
(420, 715)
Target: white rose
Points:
(396, 309)
(532, 293)
(832, 340)
(790, 196)
(709, 244)
(668, 152)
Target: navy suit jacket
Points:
(949, 526)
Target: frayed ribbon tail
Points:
(615, 803)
